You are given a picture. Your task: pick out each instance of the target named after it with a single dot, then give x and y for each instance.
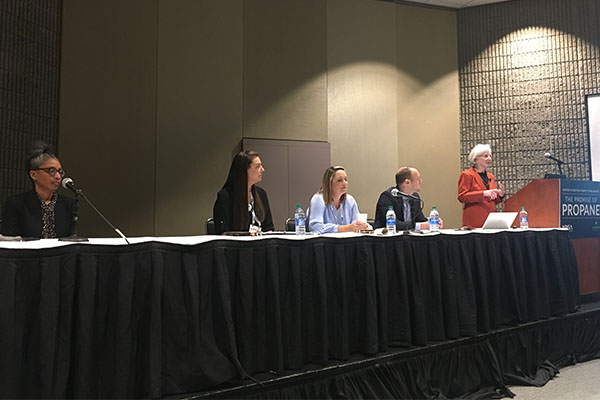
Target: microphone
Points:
(69, 184)
(398, 193)
(551, 157)
(558, 162)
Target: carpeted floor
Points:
(577, 382)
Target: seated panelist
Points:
(332, 209)
(241, 205)
(41, 212)
(409, 214)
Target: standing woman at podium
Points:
(242, 205)
(477, 188)
(40, 213)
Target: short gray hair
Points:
(477, 151)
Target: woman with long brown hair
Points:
(242, 205)
(332, 209)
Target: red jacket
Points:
(470, 192)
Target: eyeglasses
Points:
(52, 171)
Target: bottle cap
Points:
(522, 208)
(390, 207)
(434, 208)
(299, 206)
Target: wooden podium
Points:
(541, 198)
(542, 201)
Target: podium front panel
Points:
(580, 208)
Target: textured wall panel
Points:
(29, 78)
(525, 68)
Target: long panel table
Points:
(174, 315)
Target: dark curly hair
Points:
(38, 152)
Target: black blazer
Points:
(223, 211)
(386, 199)
(22, 216)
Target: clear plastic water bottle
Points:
(390, 220)
(300, 221)
(434, 220)
(523, 220)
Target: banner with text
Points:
(580, 207)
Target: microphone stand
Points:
(560, 175)
(79, 192)
(74, 237)
(104, 218)
(560, 163)
(409, 197)
(421, 203)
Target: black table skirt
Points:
(154, 319)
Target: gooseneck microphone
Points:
(69, 184)
(398, 193)
(551, 157)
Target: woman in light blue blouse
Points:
(332, 209)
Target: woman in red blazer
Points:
(477, 188)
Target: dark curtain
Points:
(480, 368)
(155, 319)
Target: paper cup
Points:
(361, 217)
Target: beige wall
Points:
(428, 105)
(285, 60)
(160, 93)
(107, 111)
(199, 108)
(362, 101)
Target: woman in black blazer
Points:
(241, 205)
(41, 212)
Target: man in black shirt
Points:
(409, 214)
